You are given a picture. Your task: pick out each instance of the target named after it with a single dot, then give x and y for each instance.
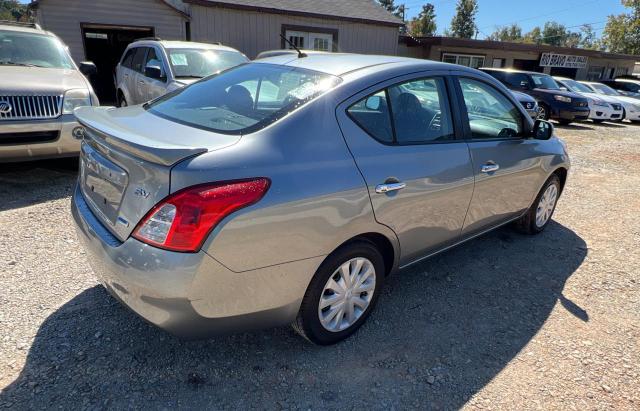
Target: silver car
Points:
(287, 190)
(40, 86)
(151, 68)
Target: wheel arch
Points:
(389, 248)
(562, 173)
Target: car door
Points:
(419, 175)
(507, 165)
(135, 75)
(150, 88)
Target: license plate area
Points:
(103, 183)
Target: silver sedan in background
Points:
(287, 190)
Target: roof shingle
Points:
(357, 10)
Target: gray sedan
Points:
(287, 190)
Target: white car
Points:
(603, 108)
(151, 68)
(630, 105)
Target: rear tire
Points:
(326, 316)
(540, 213)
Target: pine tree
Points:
(425, 23)
(463, 23)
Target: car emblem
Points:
(5, 107)
(141, 192)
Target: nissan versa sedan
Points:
(603, 108)
(630, 105)
(218, 208)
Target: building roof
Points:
(510, 46)
(364, 11)
(177, 5)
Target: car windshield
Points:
(32, 50)
(544, 82)
(243, 99)
(199, 63)
(576, 87)
(603, 89)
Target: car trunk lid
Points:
(126, 161)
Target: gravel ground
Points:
(503, 322)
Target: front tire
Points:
(342, 294)
(544, 113)
(540, 213)
(122, 102)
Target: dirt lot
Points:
(505, 321)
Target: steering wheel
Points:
(507, 132)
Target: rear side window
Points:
(243, 99)
(128, 58)
(138, 59)
(413, 112)
(491, 114)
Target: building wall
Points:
(63, 17)
(435, 53)
(252, 32)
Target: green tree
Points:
(554, 34)
(12, 10)
(534, 36)
(425, 23)
(463, 23)
(622, 32)
(507, 33)
(589, 38)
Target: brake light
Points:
(182, 221)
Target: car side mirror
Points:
(524, 85)
(564, 89)
(153, 72)
(542, 130)
(88, 68)
(373, 103)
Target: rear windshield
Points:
(199, 63)
(243, 99)
(32, 50)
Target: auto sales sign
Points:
(562, 60)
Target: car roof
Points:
(627, 80)
(338, 64)
(510, 70)
(25, 29)
(171, 44)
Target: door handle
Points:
(385, 188)
(490, 168)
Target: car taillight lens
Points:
(182, 221)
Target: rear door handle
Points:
(385, 188)
(490, 168)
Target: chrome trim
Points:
(490, 168)
(385, 188)
(40, 107)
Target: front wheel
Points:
(342, 294)
(544, 113)
(540, 213)
(597, 121)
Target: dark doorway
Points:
(527, 65)
(104, 45)
(564, 72)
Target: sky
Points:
(527, 13)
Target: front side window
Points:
(199, 63)
(243, 99)
(544, 82)
(32, 50)
(414, 112)
(517, 80)
(491, 114)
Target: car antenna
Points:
(300, 53)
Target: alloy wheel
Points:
(347, 294)
(546, 205)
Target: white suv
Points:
(151, 68)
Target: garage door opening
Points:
(104, 45)
(527, 65)
(564, 72)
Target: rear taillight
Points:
(182, 221)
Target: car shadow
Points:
(29, 183)
(443, 329)
(573, 126)
(613, 125)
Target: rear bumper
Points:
(64, 145)
(190, 295)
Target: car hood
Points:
(34, 80)
(185, 82)
(559, 93)
(605, 98)
(150, 137)
(629, 100)
(522, 96)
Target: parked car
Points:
(626, 87)
(40, 85)
(555, 103)
(151, 68)
(529, 103)
(293, 208)
(631, 106)
(603, 108)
